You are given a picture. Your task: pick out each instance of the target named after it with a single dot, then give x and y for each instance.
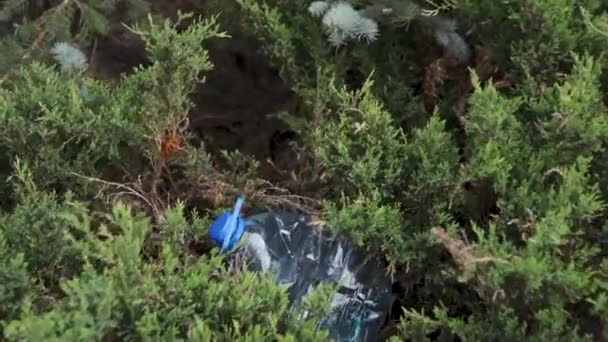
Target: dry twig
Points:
(136, 190)
(464, 255)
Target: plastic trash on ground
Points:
(301, 258)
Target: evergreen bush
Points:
(461, 142)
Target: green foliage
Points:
(298, 45)
(489, 209)
(364, 220)
(572, 114)
(40, 25)
(530, 267)
(537, 37)
(49, 123)
(177, 62)
(509, 150)
(361, 147)
(285, 28)
(426, 174)
(120, 291)
(531, 281)
(76, 271)
(36, 229)
(14, 278)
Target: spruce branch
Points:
(38, 40)
(26, 55)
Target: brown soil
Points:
(234, 106)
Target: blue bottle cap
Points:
(228, 228)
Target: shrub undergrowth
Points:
(464, 145)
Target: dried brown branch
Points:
(461, 253)
(434, 76)
(152, 201)
(215, 188)
(464, 255)
(273, 196)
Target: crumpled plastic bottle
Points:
(301, 258)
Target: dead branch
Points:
(153, 202)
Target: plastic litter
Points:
(228, 229)
(301, 258)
